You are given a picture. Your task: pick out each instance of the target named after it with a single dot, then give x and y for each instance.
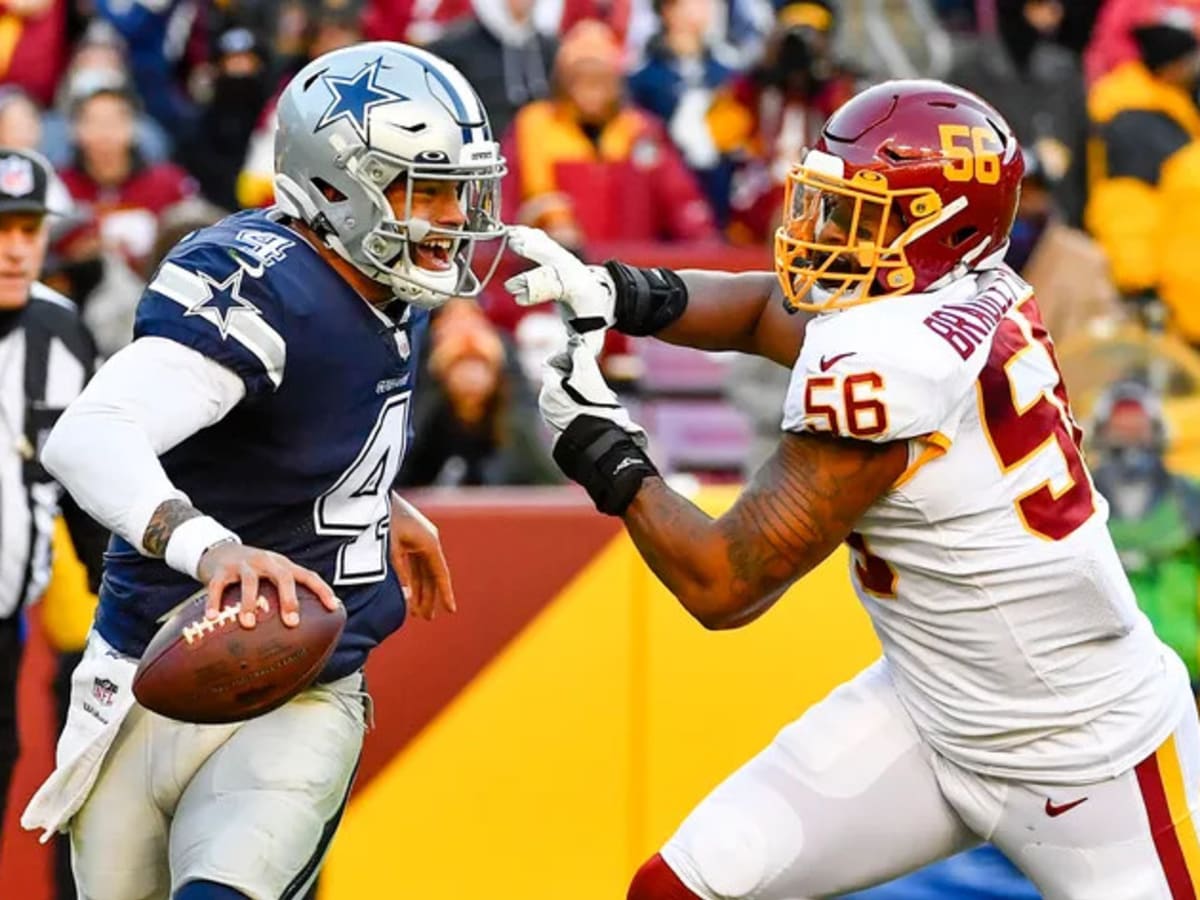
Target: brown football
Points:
(214, 671)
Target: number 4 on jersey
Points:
(357, 506)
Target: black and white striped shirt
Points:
(46, 357)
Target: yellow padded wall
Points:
(578, 749)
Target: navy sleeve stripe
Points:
(248, 328)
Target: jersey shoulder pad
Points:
(214, 296)
(898, 368)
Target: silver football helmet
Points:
(356, 119)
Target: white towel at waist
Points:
(101, 697)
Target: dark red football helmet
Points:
(909, 182)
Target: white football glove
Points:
(596, 444)
(572, 386)
(586, 291)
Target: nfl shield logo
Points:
(16, 176)
(103, 690)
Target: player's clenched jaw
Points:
(437, 202)
(23, 237)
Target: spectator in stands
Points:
(98, 60)
(1037, 86)
(1068, 270)
(475, 423)
(957, 15)
(677, 81)
(1078, 23)
(109, 175)
(263, 18)
(20, 119)
(738, 29)
(775, 110)
(255, 182)
(74, 264)
(412, 21)
(589, 166)
(215, 151)
(158, 36)
(617, 14)
(334, 24)
(1112, 41)
(1154, 515)
(99, 280)
(744, 27)
(330, 25)
(502, 55)
(1143, 205)
(35, 45)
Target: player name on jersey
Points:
(964, 326)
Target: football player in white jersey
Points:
(1022, 698)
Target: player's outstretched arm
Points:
(695, 308)
(801, 504)
(737, 311)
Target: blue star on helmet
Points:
(355, 97)
(224, 301)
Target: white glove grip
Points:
(189, 541)
(541, 286)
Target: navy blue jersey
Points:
(303, 464)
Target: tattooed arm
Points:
(800, 506)
(105, 448)
(105, 451)
(166, 518)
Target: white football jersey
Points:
(988, 572)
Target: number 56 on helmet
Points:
(910, 184)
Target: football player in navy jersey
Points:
(252, 431)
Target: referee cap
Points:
(25, 182)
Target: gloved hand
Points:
(586, 292)
(597, 445)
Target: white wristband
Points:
(189, 541)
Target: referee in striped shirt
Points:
(46, 357)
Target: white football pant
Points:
(252, 805)
(850, 796)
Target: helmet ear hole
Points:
(328, 191)
(960, 237)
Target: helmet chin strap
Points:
(422, 287)
(414, 285)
